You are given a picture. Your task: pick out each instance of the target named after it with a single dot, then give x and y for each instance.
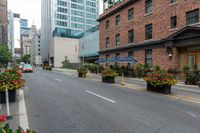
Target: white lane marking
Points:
(187, 90)
(191, 114)
(23, 119)
(101, 96)
(58, 80)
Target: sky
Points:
(31, 10)
(28, 9)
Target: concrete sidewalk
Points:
(17, 112)
(180, 91)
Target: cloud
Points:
(28, 9)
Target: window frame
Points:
(131, 39)
(117, 40)
(173, 22)
(147, 32)
(190, 15)
(148, 6)
(148, 58)
(117, 20)
(107, 42)
(130, 14)
(107, 25)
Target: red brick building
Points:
(158, 32)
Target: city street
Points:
(59, 103)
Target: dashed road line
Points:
(58, 79)
(112, 101)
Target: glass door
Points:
(191, 61)
(198, 61)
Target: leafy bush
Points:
(160, 78)
(82, 70)
(186, 69)
(66, 63)
(192, 78)
(139, 70)
(109, 73)
(91, 67)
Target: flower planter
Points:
(108, 79)
(165, 89)
(81, 75)
(11, 94)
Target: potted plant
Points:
(10, 80)
(108, 76)
(160, 81)
(82, 72)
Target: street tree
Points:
(5, 55)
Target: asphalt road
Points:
(57, 103)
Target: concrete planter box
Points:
(81, 75)
(165, 89)
(12, 96)
(108, 79)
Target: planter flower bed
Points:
(82, 72)
(160, 81)
(108, 76)
(10, 80)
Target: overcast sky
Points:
(30, 9)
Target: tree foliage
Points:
(5, 55)
(25, 58)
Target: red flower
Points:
(3, 118)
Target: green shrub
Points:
(109, 73)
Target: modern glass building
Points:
(66, 18)
(89, 45)
(76, 15)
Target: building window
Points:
(130, 14)
(192, 17)
(148, 6)
(117, 20)
(118, 40)
(107, 24)
(148, 32)
(38, 53)
(173, 22)
(107, 42)
(130, 36)
(148, 57)
(173, 1)
(38, 49)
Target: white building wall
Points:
(65, 47)
(17, 33)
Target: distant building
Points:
(35, 47)
(11, 31)
(66, 19)
(3, 22)
(59, 51)
(17, 36)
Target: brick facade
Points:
(161, 21)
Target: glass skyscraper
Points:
(67, 18)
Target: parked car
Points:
(27, 68)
